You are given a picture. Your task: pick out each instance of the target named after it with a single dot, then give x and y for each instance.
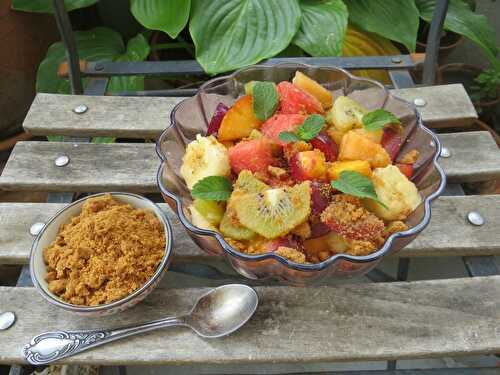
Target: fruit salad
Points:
(291, 169)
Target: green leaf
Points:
(356, 184)
(322, 28)
(103, 140)
(462, 20)
(394, 19)
(212, 188)
(230, 34)
(311, 127)
(288, 137)
(169, 16)
(265, 99)
(55, 138)
(378, 118)
(137, 50)
(45, 6)
(99, 44)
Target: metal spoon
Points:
(217, 313)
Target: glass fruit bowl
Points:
(192, 116)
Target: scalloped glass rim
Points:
(333, 259)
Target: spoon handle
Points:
(51, 346)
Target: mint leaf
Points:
(212, 188)
(356, 184)
(378, 118)
(288, 137)
(265, 99)
(311, 127)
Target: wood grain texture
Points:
(436, 240)
(324, 324)
(135, 117)
(127, 117)
(133, 167)
(447, 105)
(476, 152)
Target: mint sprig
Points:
(212, 188)
(265, 99)
(356, 184)
(309, 129)
(378, 118)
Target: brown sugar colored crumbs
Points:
(104, 254)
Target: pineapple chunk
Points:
(347, 114)
(399, 194)
(313, 88)
(337, 167)
(375, 135)
(204, 157)
(356, 147)
(336, 134)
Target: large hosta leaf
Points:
(322, 27)
(230, 34)
(394, 19)
(99, 44)
(360, 43)
(169, 16)
(45, 6)
(137, 50)
(462, 20)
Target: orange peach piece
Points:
(239, 121)
(356, 147)
(375, 135)
(360, 166)
(313, 88)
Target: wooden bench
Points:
(352, 322)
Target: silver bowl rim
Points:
(109, 306)
(335, 258)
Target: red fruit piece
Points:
(308, 165)
(273, 245)
(293, 100)
(220, 112)
(254, 155)
(326, 145)
(347, 217)
(281, 123)
(406, 169)
(391, 141)
(319, 229)
(321, 195)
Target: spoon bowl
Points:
(222, 310)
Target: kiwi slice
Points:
(274, 212)
(230, 225)
(248, 183)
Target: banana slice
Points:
(347, 114)
(204, 157)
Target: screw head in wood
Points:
(419, 102)
(61, 161)
(475, 218)
(79, 109)
(36, 228)
(99, 66)
(7, 319)
(396, 60)
(445, 153)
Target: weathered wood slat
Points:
(436, 240)
(323, 324)
(447, 105)
(132, 167)
(135, 117)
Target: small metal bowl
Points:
(48, 234)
